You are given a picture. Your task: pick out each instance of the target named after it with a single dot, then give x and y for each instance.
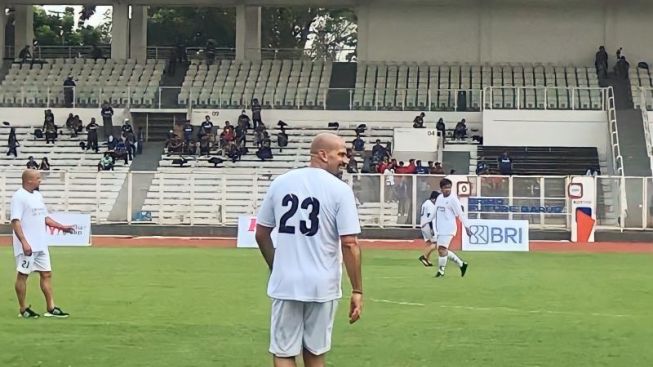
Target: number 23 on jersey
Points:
(311, 205)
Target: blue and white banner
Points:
(496, 235)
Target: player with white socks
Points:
(426, 224)
(447, 208)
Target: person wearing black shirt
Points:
(206, 128)
(91, 137)
(418, 122)
(256, 112)
(107, 115)
(69, 91)
(244, 120)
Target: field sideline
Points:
(194, 303)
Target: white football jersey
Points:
(311, 209)
(427, 213)
(29, 208)
(446, 211)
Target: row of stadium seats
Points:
(287, 83)
(641, 81)
(75, 190)
(422, 86)
(96, 81)
(171, 189)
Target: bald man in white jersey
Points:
(447, 209)
(29, 217)
(318, 225)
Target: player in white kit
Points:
(447, 208)
(427, 214)
(29, 218)
(317, 220)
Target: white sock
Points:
(442, 263)
(453, 257)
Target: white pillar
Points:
(138, 33)
(248, 32)
(362, 13)
(120, 31)
(24, 27)
(3, 24)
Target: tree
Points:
(191, 26)
(60, 29)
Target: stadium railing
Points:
(218, 197)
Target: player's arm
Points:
(18, 230)
(265, 222)
(348, 229)
(54, 224)
(264, 240)
(458, 210)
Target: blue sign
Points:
(486, 205)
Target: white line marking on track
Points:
(500, 308)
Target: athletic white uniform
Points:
(311, 209)
(30, 209)
(426, 221)
(446, 211)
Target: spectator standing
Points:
(256, 113)
(91, 137)
(601, 63)
(12, 142)
(441, 128)
(107, 118)
(69, 91)
(244, 121)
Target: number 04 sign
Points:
(247, 230)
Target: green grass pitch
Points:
(207, 307)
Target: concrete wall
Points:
(490, 31)
(34, 116)
(546, 128)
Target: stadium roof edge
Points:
(329, 3)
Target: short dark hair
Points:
(444, 182)
(434, 195)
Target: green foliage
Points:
(191, 26)
(60, 29)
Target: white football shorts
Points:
(296, 325)
(444, 241)
(39, 261)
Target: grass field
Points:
(207, 307)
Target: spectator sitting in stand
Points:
(32, 164)
(120, 152)
(418, 122)
(126, 128)
(505, 164)
(437, 169)
(45, 165)
(378, 152)
(111, 142)
(232, 151)
(482, 168)
(264, 152)
(358, 144)
(421, 170)
(460, 131)
(106, 163)
(175, 145)
(228, 135)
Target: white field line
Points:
(506, 309)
